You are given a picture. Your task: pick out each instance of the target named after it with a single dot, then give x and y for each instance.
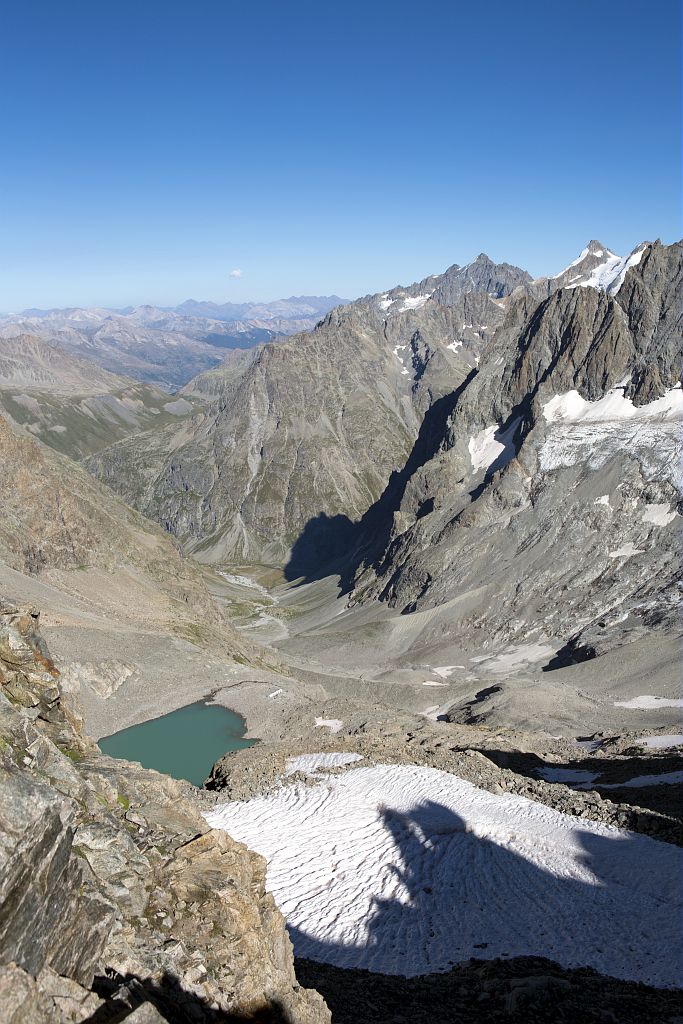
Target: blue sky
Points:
(151, 148)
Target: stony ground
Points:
(524, 988)
(496, 760)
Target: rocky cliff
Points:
(552, 499)
(313, 427)
(117, 902)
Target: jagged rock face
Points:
(108, 870)
(549, 516)
(314, 426)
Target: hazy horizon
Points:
(302, 293)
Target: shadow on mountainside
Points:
(335, 545)
(521, 990)
(459, 899)
(123, 994)
(611, 776)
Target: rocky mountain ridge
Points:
(313, 427)
(301, 439)
(553, 495)
(72, 404)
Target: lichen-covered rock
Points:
(51, 915)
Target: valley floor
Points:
(438, 803)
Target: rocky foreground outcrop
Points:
(117, 902)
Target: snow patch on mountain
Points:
(415, 302)
(648, 702)
(662, 742)
(492, 445)
(660, 514)
(408, 870)
(572, 408)
(594, 432)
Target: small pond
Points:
(184, 744)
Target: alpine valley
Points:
(427, 544)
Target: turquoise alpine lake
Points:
(184, 744)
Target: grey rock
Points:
(51, 915)
(525, 544)
(300, 444)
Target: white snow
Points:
(627, 551)
(660, 514)
(333, 724)
(604, 274)
(275, 693)
(408, 870)
(648, 703)
(492, 444)
(570, 776)
(661, 742)
(483, 447)
(602, 500)
(384, 302)
(311, 764)
(572, 408)
(594, 432)
(433, 682)
(619, 272)
(397, 349)
(454, 346)
(608, 275)
(415, 302)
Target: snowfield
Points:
(662, 742)
(407, 870)
(594, 432)
(493, 446)
(649, 702)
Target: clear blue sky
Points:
(150, 148)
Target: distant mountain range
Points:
(167, 347)
(293, 308)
